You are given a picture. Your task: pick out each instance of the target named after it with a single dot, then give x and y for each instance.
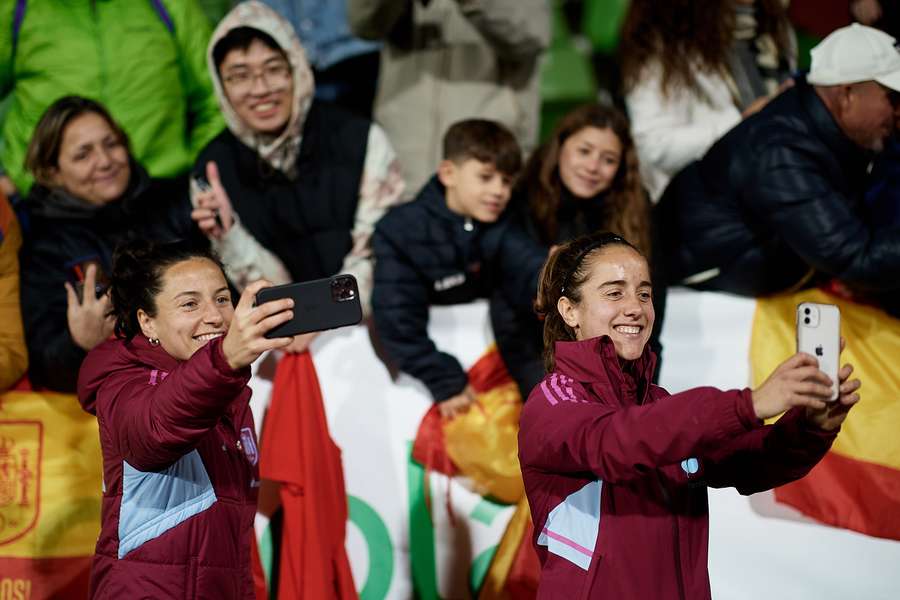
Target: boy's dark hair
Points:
(137, 272)
(485, 141)
(240, 38)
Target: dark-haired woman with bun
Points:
(615, 468)
(89, 195)
(179, 450)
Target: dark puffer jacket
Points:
(180, 472)
(65, 230)
(777, 203)
(426, 254)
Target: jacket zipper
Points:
(678, 574)
(676, 534)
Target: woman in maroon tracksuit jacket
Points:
(615, 468)
(179, 450)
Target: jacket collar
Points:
(595, 361)
(57, 203)
(843, 148)
(150, 355)
(434, 195)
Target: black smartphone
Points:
(76, 271)
(202, 185)
(319, 304)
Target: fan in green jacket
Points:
(146, 63)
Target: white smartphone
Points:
(819, 334)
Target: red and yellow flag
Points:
(857, 484)
(50, 490)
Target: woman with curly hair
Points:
(585, 178)
(692, 70)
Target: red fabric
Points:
(59, 578)
(429, 449)
(850, 493)
(525, 572)
(259, 576)
(488, 373)
(819, 17)
(298, 452)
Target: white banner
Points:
(757, 549)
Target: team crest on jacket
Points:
(21, 444)
(249, 444)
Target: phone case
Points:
(320, 304)
(819, 334)
(76, 270)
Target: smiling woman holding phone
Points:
(180, 457)
(616, 468)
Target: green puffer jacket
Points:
(152, 79)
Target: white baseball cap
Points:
(853, 54)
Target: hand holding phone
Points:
(89, 316)
(212, 207)
(320, 304)
(246, 339)
(87, 271)
(819, 334)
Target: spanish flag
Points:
(50, 490)
(857, 485)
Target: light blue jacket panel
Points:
(154, 502)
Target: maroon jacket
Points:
(616, 472)
(179, 470)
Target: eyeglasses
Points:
(275, 76)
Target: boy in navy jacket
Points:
(451, 245)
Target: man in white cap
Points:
(856, 70)
(776, 204)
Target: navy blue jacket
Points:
(426, 254)
(778, 203)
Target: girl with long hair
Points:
(584, 178)
(693, 69)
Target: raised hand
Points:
(90, 319)
(212, 206)
(833, 414)
(245, 339)
(795, 382)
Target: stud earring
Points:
(153, 341)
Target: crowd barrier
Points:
(411, 530)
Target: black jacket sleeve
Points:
(520, 261)
(53, 358)
(821, 223)
(400, 311)
(517, 331)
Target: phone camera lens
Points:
(806, 311)
(806, 320)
